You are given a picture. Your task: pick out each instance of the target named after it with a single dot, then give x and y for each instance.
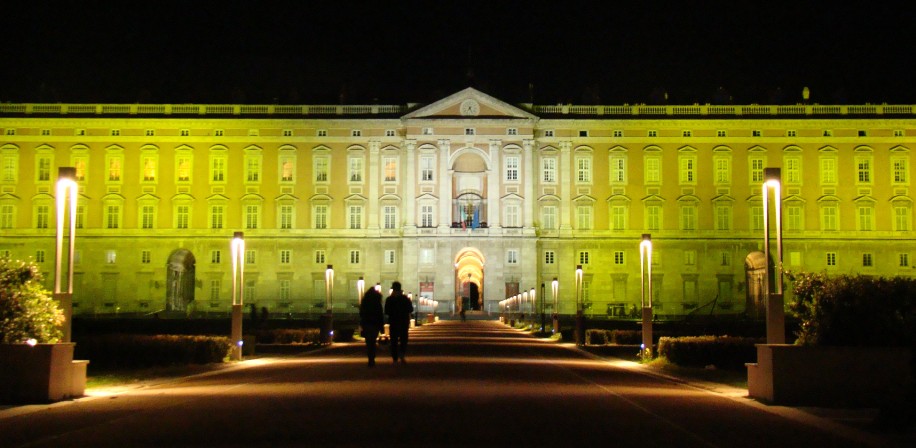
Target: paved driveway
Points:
(475, 383)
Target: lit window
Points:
(390, 165)
(114, 169)
(111, 257)
(287, 168)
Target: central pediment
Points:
(470, 103)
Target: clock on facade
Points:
(470, 107)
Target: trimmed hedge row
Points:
(132, 351)
(597, 336)
(288, 336)
(724, 352)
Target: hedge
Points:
(133, 351)
(597, 336)
(288, 336)
(724, 352)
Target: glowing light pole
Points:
(66, 185)
(360, 289)
(543, 306)
(555, 290)
(327, 319)
(580, 315)
(645, 286)
(776, 321)
(238, 293)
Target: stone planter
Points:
(40, 374)
(828, 376)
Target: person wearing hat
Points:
(398, 309)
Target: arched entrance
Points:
(180, 280)
(755, 273)
(469, 293)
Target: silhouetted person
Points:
(398, 309)
(371, 319)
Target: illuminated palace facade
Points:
(468, 197)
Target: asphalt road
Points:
(465, 384)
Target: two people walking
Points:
(398, 308)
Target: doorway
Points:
(469, 274)
(755, 272)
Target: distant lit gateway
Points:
(468, 201)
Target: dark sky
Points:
(607, 52)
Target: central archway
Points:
(469, 275)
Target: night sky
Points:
(605, 52)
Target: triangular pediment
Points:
(470, 103)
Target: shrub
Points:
(26, 309)
(596, 337)
(132, 351)
(724, 352)
(854, 310)
(288, 336)
(626, 337)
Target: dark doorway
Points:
(180, 280)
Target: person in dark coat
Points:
(398, 309)
(371, 319)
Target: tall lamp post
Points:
(580, 315)
(238, 293)
(327, 319)
(543, 305)
(776, 321)
(555, 291)
(645, 289)
(66, 189)
(360, 289)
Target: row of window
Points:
(389, 257)
(863, 166)
(688, 216)
(617, 133)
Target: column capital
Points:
(411, 144)
(565, 145)
(374, 145)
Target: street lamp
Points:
(543, 305)
(580, 316)
(776, 325)
(66, 185)
(378, 288)
(645, 286)
(327, 319)
(555, 291)
(238, 293)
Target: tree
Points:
(27, 310)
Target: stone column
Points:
(445, 187)
(494, 181)
(410, 188)
(530, 178)
(566, 182)
(372, 168)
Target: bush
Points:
(724, 352)
(132, 351)
(596, 337)
(288, 336)
(626, 337)
(26, 309)
(854, 310)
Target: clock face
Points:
(470, 107)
